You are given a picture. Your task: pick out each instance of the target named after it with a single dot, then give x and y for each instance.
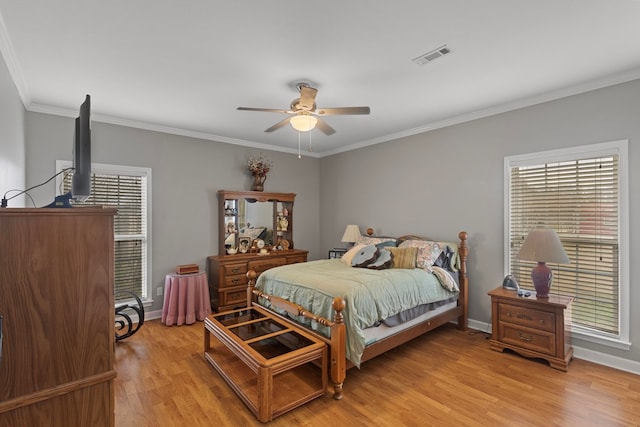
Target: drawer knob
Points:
(235, 280)
(524, 316)
(524, 337)
(235, 270)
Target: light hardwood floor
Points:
(447, 377)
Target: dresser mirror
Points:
(246, 217)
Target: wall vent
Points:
(432, 55)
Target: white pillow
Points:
(348, 256)
(445, 279)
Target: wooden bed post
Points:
(463, 251)
(337, 356)
(251, 285)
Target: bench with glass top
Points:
(271, 364)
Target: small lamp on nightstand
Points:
(543, 245)
(351, 235)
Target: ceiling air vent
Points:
(433, 55)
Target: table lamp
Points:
(351, 235)
(543, 245)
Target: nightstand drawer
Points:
(527, 338)
(532, 318)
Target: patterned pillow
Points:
(404, 257)
(428, 252)
(365, 256)
(382, 261)
(366, 240)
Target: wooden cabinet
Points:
(531, 326)
(57, 303)
(228, 274)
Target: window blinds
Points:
(127, 194)
(579, 199)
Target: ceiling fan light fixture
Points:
(303, 122)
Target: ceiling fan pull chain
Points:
(299, 156)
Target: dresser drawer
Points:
(235, 280)
(529, 317)
(264, 264)
(531, 339)
(234, 297)
(228, 274)
(233, 269)
(296, 259)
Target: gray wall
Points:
(444, 181)
(186, 175)
(12, 119)
(436, 184)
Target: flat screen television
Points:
(81, 179)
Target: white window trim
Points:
(132, 171)
(621, 147)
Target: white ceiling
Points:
(184, 67)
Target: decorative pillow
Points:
(445, 259)
(428, 252)
(367, 240)
(384, 260)
(387, 244)
(404, 257)
(365, 256)
(445, 279)
(348, 256)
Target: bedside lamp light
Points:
(351, 235)
(543, 245)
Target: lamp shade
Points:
(303, 122)
(543, 245)
(351, 234)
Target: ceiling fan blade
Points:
(278, 125)
(338, 111)
(307, 97)
(325, 128)
(268, 110)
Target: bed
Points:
(362, 309)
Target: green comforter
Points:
(370, 295)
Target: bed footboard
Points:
(337, 342)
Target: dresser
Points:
(228, 274)
(57, 300)
(533, 327)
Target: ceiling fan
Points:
(303, 112)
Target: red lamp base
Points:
(542, 276)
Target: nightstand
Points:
(531, 326)
(337, 252)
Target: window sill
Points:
(580, 334)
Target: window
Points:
(580, 192)
(126, 189)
